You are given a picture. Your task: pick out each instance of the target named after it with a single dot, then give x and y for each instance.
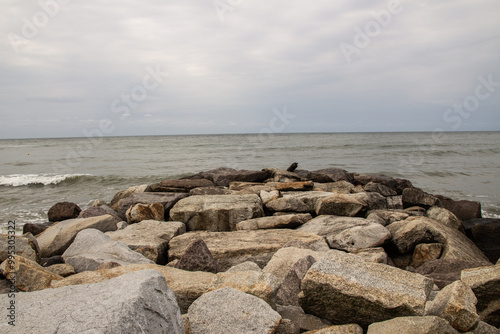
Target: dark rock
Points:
(168, 200)
(35, 229)
(179, 186)
(330, 175)
(464, 210)
(417, 197)
(397, 185)
(62, 211)
(444, 272)
(292, 167)
(223, 176)
(49, 261)
(288, 293)
(485, 233)
(197, 257)
(280, 175)
(95, 211)
(380, 188)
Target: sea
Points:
(37, 173)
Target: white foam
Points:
(17, 180)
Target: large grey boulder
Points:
(344, 288)
(232, 248)
(55, 239)
(137, 302)
(92, 248)
(25, 246)
(166, 199)
(150, 238)
(412, 325)
(347, 233)
(216, 212)
(228, 310)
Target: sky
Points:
(118, 68)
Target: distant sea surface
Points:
(37, 173)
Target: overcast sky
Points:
(76, 68)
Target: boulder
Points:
(126, 193)
(288, 292)
(412, 325)
(306, 322)
(329, 175)
(386, 217)
(376, 255)
(140, 212)
(62, 269)
(27, 275)
(417, 197)
(373, 200)
(62, 211)
(309, 198)
(137, 302)
(96, 211)
(179, 186)
(35, 228)
(197, 257)
(210, 191)
(444, 271)
(166, 199)
(223, 176)
(394, 202)
(228, 310)
(426, 252)
(25, 246)
(245, 266)
(268, 196)
(456, 303)
(232, 248)
(216, 213)
(92, 248)
(380, 188)
(273, 222)
(416, 230)
(149, 237)
(340, 205)
(57, 238)
(344, 288)
(295, 186)
(339, 329)
(485, 282)
(484, 328)
(282, 176)
(341, 187)
(347, 233)
(464, 210)
(444, 216)
(397, 185)
(287, 204)
(485, 233)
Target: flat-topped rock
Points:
(272, 222)
(224, 175)
(166, 199)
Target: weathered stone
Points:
(456, 304)
(126, 193)
(58, 237)
(285, 259)
(426, 252)
(485, 282)
(62, 269)
(223, 176)
(25, 246)
(282, 176)
(306, 322)
(386, 217)
(49, 261)
(27, 275)
(197, 257)
(415, 196)
(464, 210)
(394, 202)
(260, 284)
(140, 212)
(379, 188)
(412, 325)
(396, 184)
(288, 292)
(150, 238)
(347, 233)
(444, 272)
(245, 266)
(339, 205)
(138, 302)
(339, 329)
(287, 204)
(270, 222)
(168, 200)
(232, 248)
(330, 175)
(107, 265)
(35, 228)
(375, 255)
(287, 326)
(295, 186)
(205, 191)
(179, 186)
(341, 187)
(238, 186)
(216, 213)
(96, 211)
(444, 216)
(228, 310)
(343, 288)
(373, 200)
(309, 198)
(484, 328)
(416, 230)
(62, 211)
(268, 196)
(485, 233)
(92, 248)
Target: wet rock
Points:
(62, 211)
(330, 175)
(373, 200)
(96, 211)
(413, 325)
(485, 233)
(272, 222)
(140, 212)
(282, 176)
(197, 257)
(396, 184)
(27, 275)
(216, 213)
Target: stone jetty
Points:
(267, 251)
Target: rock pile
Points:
(271, 251)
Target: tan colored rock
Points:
(126, 193)
(140, 212)
(62, 269)
(272, 222)
(268, 196)
(309, 198)
(149, 237)
(426, 252)
(27, 275)
(182, 185)
(338, 329)
(287, 204)
(444, 216)
(285, 258)
(232, 248)
(217, 212)
(57, 238)
(341, 187)
(25, 246)
(375, 255)
(412, 325)
(306, 322)
(295, 186)
(339, 205)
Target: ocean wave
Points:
(19, 180)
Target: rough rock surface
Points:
(62, 211)
(343, 288)
(224, 175)
(444, 272)
(444, 216)
(92, 248)
(137, 302)
(231, 311)
(417, 197)
(216, 213)
(58, 237)
(287, 204)
(126, 193)
(150, 238)
(166, 199)
(463, 209)
(306, 322)
(232, 248)
(197, 257)
(425, 252)
(140, 212)
(412, 325)
(27, 275)
(25, 246)
(35, 228)
(272, 222)
(340, 205)
(181, 186)
(485, 233)
(62, 269)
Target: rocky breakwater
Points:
(270, 251)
